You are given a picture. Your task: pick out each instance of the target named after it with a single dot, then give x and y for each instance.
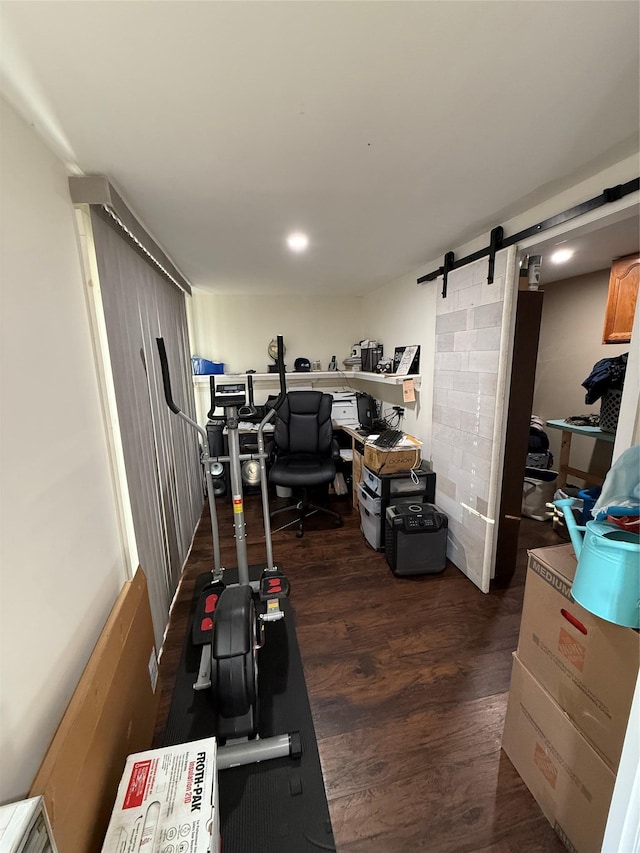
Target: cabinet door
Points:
(621, 301)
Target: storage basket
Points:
(558, 520)
(542, 460)
(610, 409)
(537, 491)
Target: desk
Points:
(565, 449)
(357, 449)
(324, 380)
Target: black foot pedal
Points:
(273, 584)
(295, 745)
(202, 630)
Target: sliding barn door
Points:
(472, 358)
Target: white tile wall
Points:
(468, 336)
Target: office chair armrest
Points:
(335, 450)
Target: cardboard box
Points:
(111, 714)
(588, 665)
(167, 800)
(392, 460)
(569, 780)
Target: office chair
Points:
(305, 451)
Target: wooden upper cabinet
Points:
(621, 302)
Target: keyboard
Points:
(389, 438)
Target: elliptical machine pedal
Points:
(202, 628)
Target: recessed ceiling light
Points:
(297, 241)
(561, 256)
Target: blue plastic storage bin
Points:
(204, 367)
(589, 498)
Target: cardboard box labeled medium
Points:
(569, 780)
(167, 800)
(588, 665)
(391, 460)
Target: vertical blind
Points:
(160, 451)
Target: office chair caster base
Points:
(305, 510)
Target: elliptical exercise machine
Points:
(231, 618)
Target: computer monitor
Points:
(367, 411)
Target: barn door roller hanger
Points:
(498, 240)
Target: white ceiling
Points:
(594, 246)
(389, 131)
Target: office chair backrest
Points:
(303, 423)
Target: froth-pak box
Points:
(167, 800)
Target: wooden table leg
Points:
(565, 454)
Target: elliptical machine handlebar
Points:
(204, 450)
(166, 382)
(281, 372)
(166, 378)
(261, 452)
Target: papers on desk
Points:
(346, 453)
(247, 426)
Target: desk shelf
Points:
(308, 378)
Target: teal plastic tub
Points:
(589, 498)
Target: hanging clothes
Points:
(606, 374)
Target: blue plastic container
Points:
(204, 367)
(589, 498)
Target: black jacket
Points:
(607, 373)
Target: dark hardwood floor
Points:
(408, 682)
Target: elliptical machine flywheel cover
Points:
(234, 668)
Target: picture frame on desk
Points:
(406, 360)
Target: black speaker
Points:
(217, 447)
(250, 469)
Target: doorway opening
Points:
(564, 336)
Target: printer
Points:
(344, 410)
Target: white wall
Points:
(61, 564)
(570, 344)
(237, 329)
(403, 314)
